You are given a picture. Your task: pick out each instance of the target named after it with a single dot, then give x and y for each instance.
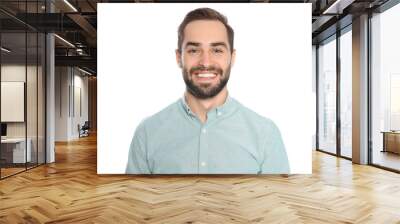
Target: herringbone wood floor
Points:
(70, 191)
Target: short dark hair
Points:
(204, 14)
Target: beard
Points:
(205, 90)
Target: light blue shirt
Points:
(233, 140)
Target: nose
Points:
(205, 59)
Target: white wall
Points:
(16, 73)
(61, 103)
(69, 82)
(80, 118)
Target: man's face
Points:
(206, 58)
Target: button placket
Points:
(203, 148)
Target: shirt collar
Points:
(185, 106)
(228, 107)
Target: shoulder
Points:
(165, 115)
(262, 123)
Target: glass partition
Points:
(22, 77)
(385, 89)
(346, 93)
(13, 109)
(327, 96)
(32, 95)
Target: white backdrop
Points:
(138, 75)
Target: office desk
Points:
(391, 141)
(15, 148)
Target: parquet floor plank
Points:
(70, 191)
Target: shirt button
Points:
(204, 130)
(203, 163)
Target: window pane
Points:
(386, 88)
(346, 94)
(327, 96)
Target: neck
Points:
(201, 106)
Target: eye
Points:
(218, 50)
(192, 51)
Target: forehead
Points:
(205, 32)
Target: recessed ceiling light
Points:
(70, 5)
(64, 40)
(5, 50)
(84, 71)
(338, 6)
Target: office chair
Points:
(84, 130)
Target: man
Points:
(206, 131)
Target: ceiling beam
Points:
(85, 61)
(84, 24)
(337, 6)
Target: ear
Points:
(233, 57)
(178, 56)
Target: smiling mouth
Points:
(206, 75)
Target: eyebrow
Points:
(215, 44)
(219, 44)
(196, 44)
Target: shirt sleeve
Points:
(275, 157)
(137, 157)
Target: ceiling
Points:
(76, 22)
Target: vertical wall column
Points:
(50, 92)
(360, 90)
(50, 99)
(314, 90)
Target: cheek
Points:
(223, 61)
(188, 63)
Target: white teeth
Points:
(206, 75)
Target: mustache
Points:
(206, 69)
